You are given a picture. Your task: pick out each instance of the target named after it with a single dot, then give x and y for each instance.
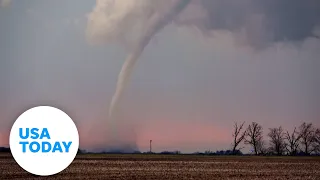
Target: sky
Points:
(186, 90)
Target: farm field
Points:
(147, 166)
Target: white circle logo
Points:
(44, 140)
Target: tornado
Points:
(156, 23)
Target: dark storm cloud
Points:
(261, 20)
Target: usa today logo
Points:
(44, 140)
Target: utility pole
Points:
(150, 146)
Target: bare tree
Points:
(307, 137)
(261, 147)
(277, 140)
(293, 140)
(254, 136)
(316, 141)
(238, 136)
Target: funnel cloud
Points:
(156, 20)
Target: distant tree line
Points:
(304, 140)
(5, 149)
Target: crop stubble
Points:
(176, 167)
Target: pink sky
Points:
(188, 136)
